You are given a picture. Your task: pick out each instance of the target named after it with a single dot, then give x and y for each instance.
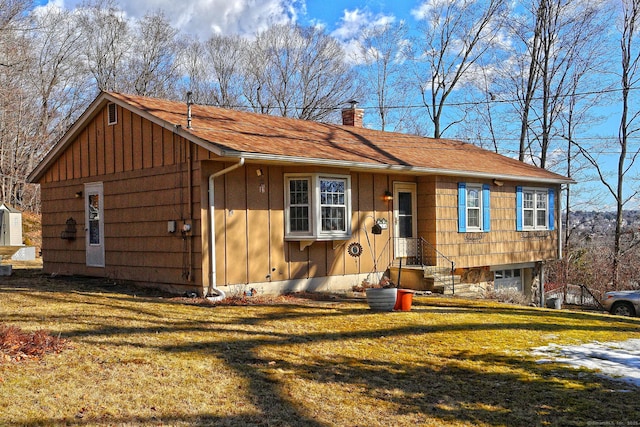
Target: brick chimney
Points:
(352, 116)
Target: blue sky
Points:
(203, 17)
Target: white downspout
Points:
(215, 293)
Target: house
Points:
(192, 198)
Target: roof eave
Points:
(364, 166)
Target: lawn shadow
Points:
(500, 389)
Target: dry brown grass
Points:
(142, 359)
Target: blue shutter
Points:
(486, 208)
(462, 207)
(552, 209)
(519, 208)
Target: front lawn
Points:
(133, 358)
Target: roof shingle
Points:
(244, 134)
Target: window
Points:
(112, 113)
(299, 220)
(333, 204)
(473, 207)
(318, 207)
(535, 209)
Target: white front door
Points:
(404, 219)
(94, 224)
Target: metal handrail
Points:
(440, 254)
(422, 259)
(597, 300)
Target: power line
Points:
(492, 100)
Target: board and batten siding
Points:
(250, 234)
(143, 168)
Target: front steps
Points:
(425, 278)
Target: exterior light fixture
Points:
(388, 196)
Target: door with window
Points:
(404, 219)
(94, 224)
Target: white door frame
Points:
(94, 224)
(404, 247)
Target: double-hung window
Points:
(299, 205)
(473, 207)
(317, 206)
(535, 209)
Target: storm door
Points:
(405, 220)
(94, 224)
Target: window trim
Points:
(520, 208)
(484, 208)
(315, 231)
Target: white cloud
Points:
(351, 28)
(204, 18)
(354, 22)
(426, 9)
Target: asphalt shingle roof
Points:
(240, 132)
(233, 133)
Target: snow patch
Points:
(617, 360)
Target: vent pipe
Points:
(189, 102)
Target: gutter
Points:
(213, 293)
(354, 165)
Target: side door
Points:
(94, 224)
(404, 219)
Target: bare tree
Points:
(561, 44)
(15, 98)
(12, 22)
(297, 72)
(225, 62)
(106, 36)
(192, 66)
(153, 69)
(56, 74)
(455, 35)
(629, 126)
(384, 51)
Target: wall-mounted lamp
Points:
(498, 183)
(388, 196)
(259, 171)
(78, 194)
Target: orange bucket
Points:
(404, 300)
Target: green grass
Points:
(146, 360)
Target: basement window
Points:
(112, 113)
(317, 207)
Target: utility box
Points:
(10, 226)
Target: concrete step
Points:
(467, 290)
